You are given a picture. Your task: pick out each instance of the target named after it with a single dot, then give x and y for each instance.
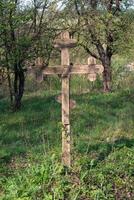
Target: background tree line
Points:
(103, 28)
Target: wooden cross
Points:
(65, 70)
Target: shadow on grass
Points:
(97, 112)
(113, 100)
(37, 124)
(103, 149)
(31, 128)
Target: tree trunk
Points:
(107, 74)
(10, 87)
(19, 80)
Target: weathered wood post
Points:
(93, 64)
(66, 133)
(92, 76)
(65, 70)
(64, 44)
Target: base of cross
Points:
(66, 145)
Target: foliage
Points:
(102, 29)
(102, 127)
(101, 124)
(25, 33)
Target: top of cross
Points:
(65, 41)
(65, 35)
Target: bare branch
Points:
(89, 51)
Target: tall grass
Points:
(103, 148)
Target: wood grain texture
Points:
(66, 145)
(65, 100)
(76, 69)
(65, 70)
(66, 134)
(64, 41)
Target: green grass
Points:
(103, 148)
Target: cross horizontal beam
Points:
(75, 69)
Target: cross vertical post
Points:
(66, 134)
(64, 43)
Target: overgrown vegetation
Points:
(103, 151)
(28, 31)
(102, 125)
